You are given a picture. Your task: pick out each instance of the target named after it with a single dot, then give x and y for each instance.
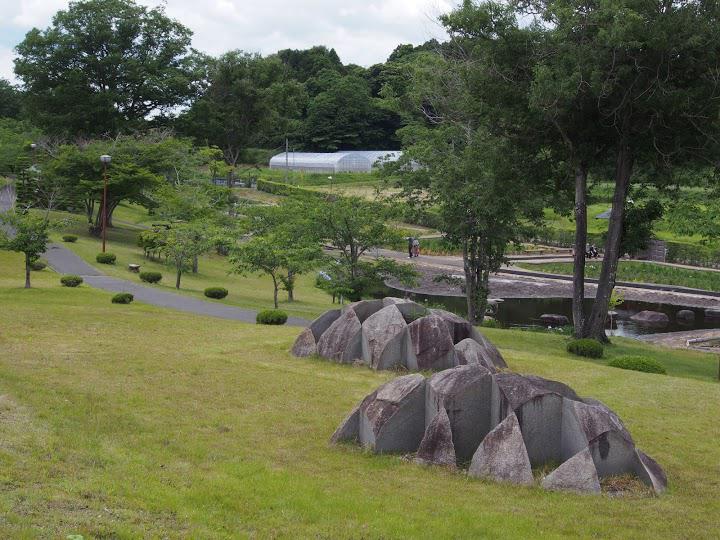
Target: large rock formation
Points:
(501, 425)
(653, 319)
(395, 333)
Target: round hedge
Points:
(106, 258)
(122, 298)
(271, 316)
(216, 292)
(69, 238)
(71, 280)
(150, 277)
(638, 363)
(37, 266)
(589, 348)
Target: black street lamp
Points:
(105, 160)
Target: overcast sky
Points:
(361, 31)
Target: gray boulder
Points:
(349, 429)
(685, 316)
(502, 455)
(653, 319)
(364, 308)
(470, 352)
(596, 418)
(384, 338)
(436, 447)
(305, 344)
(392, 300)
(412, 311)
(577, 474)
(323, 322)
(613, 455)
(342, 340)
(461, 329)
(554, 319)
(394, 420)
(465, 393)
(651, 473)
(431, 345)
(547, 437)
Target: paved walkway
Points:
(64, 261)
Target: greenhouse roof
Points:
(351, 160)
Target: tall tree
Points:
(26, 233)
(650, 74)
(246, 103)
(10, 100)
(103, 66)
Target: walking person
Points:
(410, 240)
(416, 247)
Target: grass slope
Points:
(133, 421)
(640, 272)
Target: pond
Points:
(526, 312)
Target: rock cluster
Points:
(502, 425)
(394, 333)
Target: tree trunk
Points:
(595, 324)
(177, 279)
(275, 291)
(195, 264)
(476, 281)
(27, 271)
(580, 242)
(291, 286)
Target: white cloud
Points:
(361, 31)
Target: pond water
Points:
(524, 312)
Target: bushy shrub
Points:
(637, 363)
(106, 258)
(123, 298)
(489, 322)
(71, 280)
(37, 266)
(150, 277)
(69, 238)
(590, 348)
(216, 292)
(271, 316)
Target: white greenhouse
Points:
(335, 162)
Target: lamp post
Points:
(331, 186)
(105, 160)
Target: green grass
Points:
(138, 422)
(300, 178)
(252, 292)
(639, 272)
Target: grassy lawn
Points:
(133, 421)
(641, 272)
(565, 222)
(253, 292)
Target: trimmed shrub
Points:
(271, 316)
(150, 277)
(637, 363)
(489, 322)
(71, 280)
(589, 348)
(37, 265)
(106, 258)
(69, 238)
(123, 298)
(216, 292)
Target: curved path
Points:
(64, 261)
